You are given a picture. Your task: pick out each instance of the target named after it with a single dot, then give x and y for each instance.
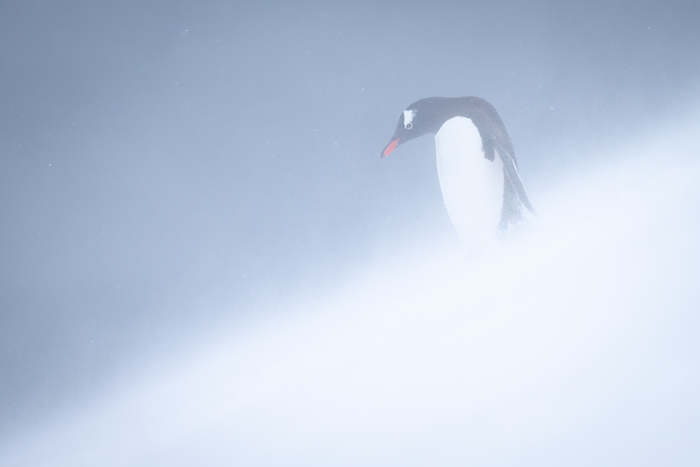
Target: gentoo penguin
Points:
(476, 164)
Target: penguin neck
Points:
(471, 185)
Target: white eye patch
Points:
(408, 118)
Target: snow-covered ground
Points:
(576, 343)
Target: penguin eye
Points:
(408, 118)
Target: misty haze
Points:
(204, 261)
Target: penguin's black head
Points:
(420, 118)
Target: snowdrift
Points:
(573, 343)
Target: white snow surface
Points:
(574, 343)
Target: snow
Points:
(574, 343)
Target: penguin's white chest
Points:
(472, 186)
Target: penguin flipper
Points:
(513, 176)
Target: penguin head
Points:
(420, 118)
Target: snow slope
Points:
(575, 343)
